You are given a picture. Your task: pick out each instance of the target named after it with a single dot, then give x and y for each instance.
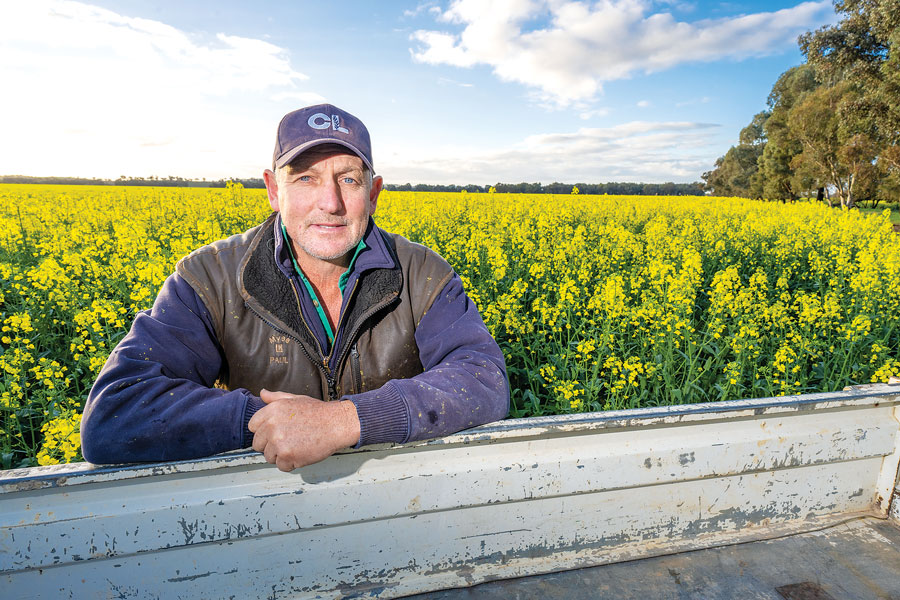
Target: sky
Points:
(459, 91)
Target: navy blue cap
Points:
(320, 124)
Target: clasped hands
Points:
(293, 431)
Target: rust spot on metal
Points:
(29, 485)
(806, 590)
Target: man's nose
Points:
(329, 199)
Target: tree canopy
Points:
(833, 123)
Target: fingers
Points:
(294, 430)
(284, 465)
(260, 416)
(270, 449)
(259, 442)
(270, 453)
(255, 421)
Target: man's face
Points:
(325, 200)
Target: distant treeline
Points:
(613, 188)
(624, 188)
(256, 182)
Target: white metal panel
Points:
(888, 486)
(520, 497)
(460, 546)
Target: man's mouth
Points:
(329, 225)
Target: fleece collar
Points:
(375, 256)
(268, 290)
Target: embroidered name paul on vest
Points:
(278, 349)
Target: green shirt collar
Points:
(342, 281)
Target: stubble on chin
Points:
(323, 252)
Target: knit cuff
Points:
(383, 416)
(253, 405)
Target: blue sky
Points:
(461, 91)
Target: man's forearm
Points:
(155, 398)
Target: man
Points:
(312, 332)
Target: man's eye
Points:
(349, 180)
(304, 178)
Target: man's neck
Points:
(321, 273)
(324, 277)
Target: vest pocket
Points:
(355, 369)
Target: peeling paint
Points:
(192, 577)
(511, 496)
(686, 458)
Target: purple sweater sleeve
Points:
(155, 397)
(464, 382)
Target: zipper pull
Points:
(332, 387)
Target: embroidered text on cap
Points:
(323, 121)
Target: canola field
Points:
(598, 302)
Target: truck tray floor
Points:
(857, 560)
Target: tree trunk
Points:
(820, 195)
(850, 201)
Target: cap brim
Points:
(295, 152)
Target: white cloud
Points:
(635, 151)
(430, 7)
(91, 92)
(643, 103)
(446, 81)
(701, 100)
(567, 49)
(596, 112)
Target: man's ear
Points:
(377, 184)
(271, 188)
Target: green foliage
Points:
(734, 172)
(833, 123)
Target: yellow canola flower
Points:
(597, 302)
(62, 442)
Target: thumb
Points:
(267, 396)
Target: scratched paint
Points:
(503, 500)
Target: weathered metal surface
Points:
(895, 502)
(858, 560)
(890, 461)
(889, 480)
(505, 500)
(805, 590)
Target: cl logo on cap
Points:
(323, 121)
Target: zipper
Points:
(332, 383)
(300, 312)
(340, 322)
(362, 320)
(329, 377)
(326, 369)
(355, 367)
(322, 367)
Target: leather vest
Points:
(266, 342)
